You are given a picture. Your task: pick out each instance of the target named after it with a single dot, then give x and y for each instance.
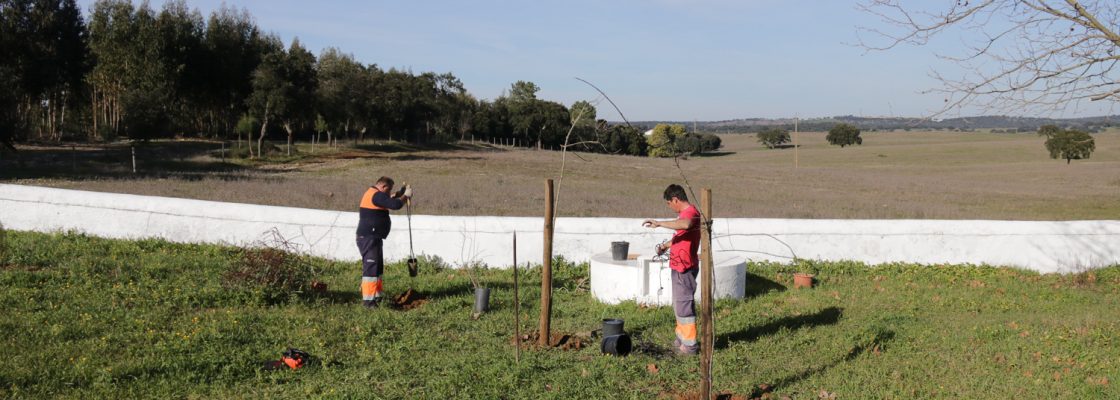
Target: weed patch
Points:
(271, 271)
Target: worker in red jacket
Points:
(684, 263)
(373, 228)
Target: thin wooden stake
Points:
(795, 160)
(133, 159)
(546, 269)
(516, 305)
(707, 334)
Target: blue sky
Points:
(657, 59)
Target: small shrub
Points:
(274, 275)
(570, 275)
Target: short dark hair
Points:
(386, 180)
(677, 191)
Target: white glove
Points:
(408, 190)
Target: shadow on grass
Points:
(399, 286)
(341, 296)
(416, 157)
(114, 161)
(827, 316)
(874, 344)
(401, 147)
(758, 285)
(714, 154)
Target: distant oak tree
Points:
(1067, 144)
(844, 135)
(773, 137)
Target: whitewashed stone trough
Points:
(647, 282)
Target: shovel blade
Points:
(413, 267)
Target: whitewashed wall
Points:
(1065, 246)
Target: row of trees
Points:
(840, 135)
(135, 72)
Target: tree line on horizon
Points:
(991, 123)
(131, 72)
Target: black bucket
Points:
(413, 267)
(616, 345)
(619, 250)
(481, 300)
(612, 326)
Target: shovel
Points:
(413, 265)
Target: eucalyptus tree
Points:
(299, 70)
(181, 54)
(343, 93)
(44, 47)
(234, 48)
(271, 87)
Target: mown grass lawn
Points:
(95, 318)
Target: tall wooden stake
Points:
(707, 334)
(795, 160)
(546, 269)
(516, 305)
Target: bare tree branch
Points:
(1036, 55)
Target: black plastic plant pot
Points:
(612, 326)
(616, 345)
(413, 267)
(620, 250)
(481, 300)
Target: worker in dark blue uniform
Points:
(373, 228)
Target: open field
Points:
(920, 175)
(95, 318)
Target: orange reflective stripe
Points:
(371, 289)
(367, 200)
(686, 332)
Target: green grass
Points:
(95, 318)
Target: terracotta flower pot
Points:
(802, 280)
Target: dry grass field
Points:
(909, 175)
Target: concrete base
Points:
(647, 282)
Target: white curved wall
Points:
(1044, 246)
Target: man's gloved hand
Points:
(400, 192)
(407, 190)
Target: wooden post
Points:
(546, 268)
(707, 334)
(516, 305)
(795, 160)
(133, 158)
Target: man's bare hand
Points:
(651, 223)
